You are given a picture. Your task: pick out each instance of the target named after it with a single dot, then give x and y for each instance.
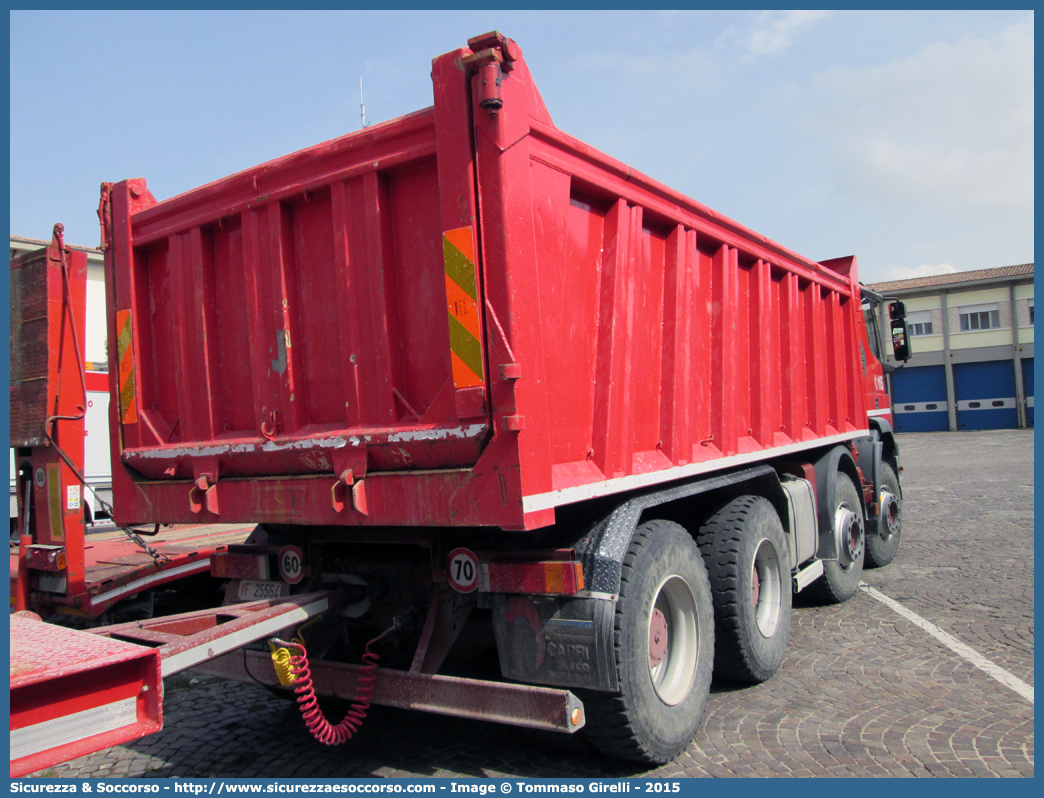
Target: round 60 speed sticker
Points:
(463, 570)
(291, 564)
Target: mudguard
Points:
(839, 458)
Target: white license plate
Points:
(253, 590)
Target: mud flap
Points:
(563, 642)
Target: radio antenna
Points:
(362, 105)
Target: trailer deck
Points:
(73, 692)
(116, 567)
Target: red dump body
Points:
(462, 317)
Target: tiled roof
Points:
(38, 243)
(954, 278)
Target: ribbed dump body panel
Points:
(283, 311)
(679, 338)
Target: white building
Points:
(95, 343)
(971, 334)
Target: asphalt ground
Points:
(939, 684)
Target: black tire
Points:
(748, 562)
(882, 547)
(655, 715)
(840, 579)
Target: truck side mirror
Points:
(900, 332)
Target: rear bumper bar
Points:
(513, 704)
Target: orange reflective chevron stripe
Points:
(458, 249)
(54, 501)
(125, 373)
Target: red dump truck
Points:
(495, 391)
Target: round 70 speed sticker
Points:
(463, 570)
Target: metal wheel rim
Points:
(769, 603)
(673, 677)
(890, 512)
(851, 538)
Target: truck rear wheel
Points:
(882, 547)
(663, 646)
(840, 579)
(747, 561)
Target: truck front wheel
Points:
(840, 579)
(663, 647)
(882, 547)
(747, 559)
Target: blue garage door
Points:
(985, 395)
(919, 399)
(1027, 388)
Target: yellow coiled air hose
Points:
(281, 655)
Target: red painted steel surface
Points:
(84, 575)
(48, 301)
(73, 693)
(285, 330)
(239, 566)
(190, 638)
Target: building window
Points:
(979, 317)
(920, 323)
(1031, 312)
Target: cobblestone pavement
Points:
(862, 692)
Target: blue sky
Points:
(905, 138)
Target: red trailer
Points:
(56, 567)
(503, 392)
